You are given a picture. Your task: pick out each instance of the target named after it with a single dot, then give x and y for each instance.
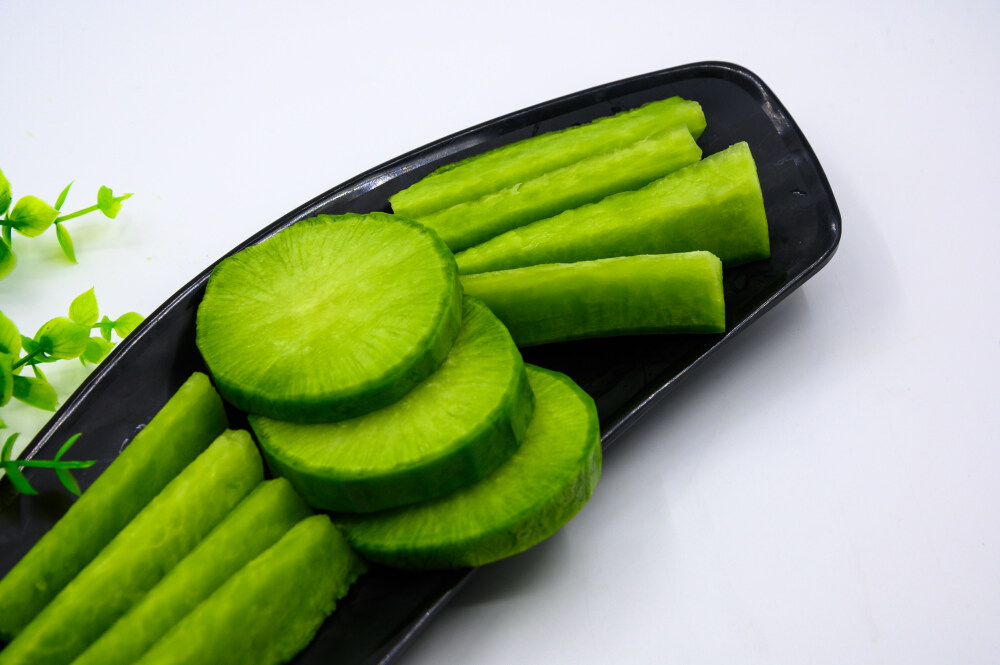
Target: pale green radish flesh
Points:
(182, 429)
(331, 318)
(656, 293)
(527, 499)
(450, 430)
(269, 610)
(517, 162)
(254, 525)
(629, 167)
(160, 536)
(714, 205)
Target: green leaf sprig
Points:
(13, 467)
(31, 216)
(61, 338)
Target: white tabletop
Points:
(824, 490)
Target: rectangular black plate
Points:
(626, 376)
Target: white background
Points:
(824, 490)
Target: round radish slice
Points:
(331, 318)
(527, 499)
(452, 429)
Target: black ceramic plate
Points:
(626, 376)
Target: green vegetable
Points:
(269, 610)
(527, 499)
(262, 518)
(714, 205)
(182, 429)
(451, 430)
(331, 318)
(655, 293)
(508, 165)
(159, 537)
(472, 222)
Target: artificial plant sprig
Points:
(13, 466)
(32, 216)
(61, 338)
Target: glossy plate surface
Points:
(626, 376)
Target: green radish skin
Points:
(527, 499)
(269, 610)
(508, 165)
(472, 222)
(714, 205)
(183, 428)
(159, 537)
(628, 295)
(451, 430)
(331, 318)
(254, 525)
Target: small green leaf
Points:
(106, 202)
(6, 377)
(83, 309)
(109, 203)
(29, 345)
(68, 481)
(126, 323)
(5, 232)
(35, 392)
(3, 425)
(18, 480)
(8, 447)
(62, 338)
(31, 216)
(8, 259)
(39, 374)
(6, 193)
(62, 197)
(66, 242)
(10, 339)
(97, 349)
(66, 446)
(106, 325)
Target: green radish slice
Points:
(269, 610)
(527, 499)
(715, 205)
(331, 318)
(182, 429)
(451, 430)
(628, 295)
(508, 165)
(630, 167)
(159, 537)
(254, 525)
